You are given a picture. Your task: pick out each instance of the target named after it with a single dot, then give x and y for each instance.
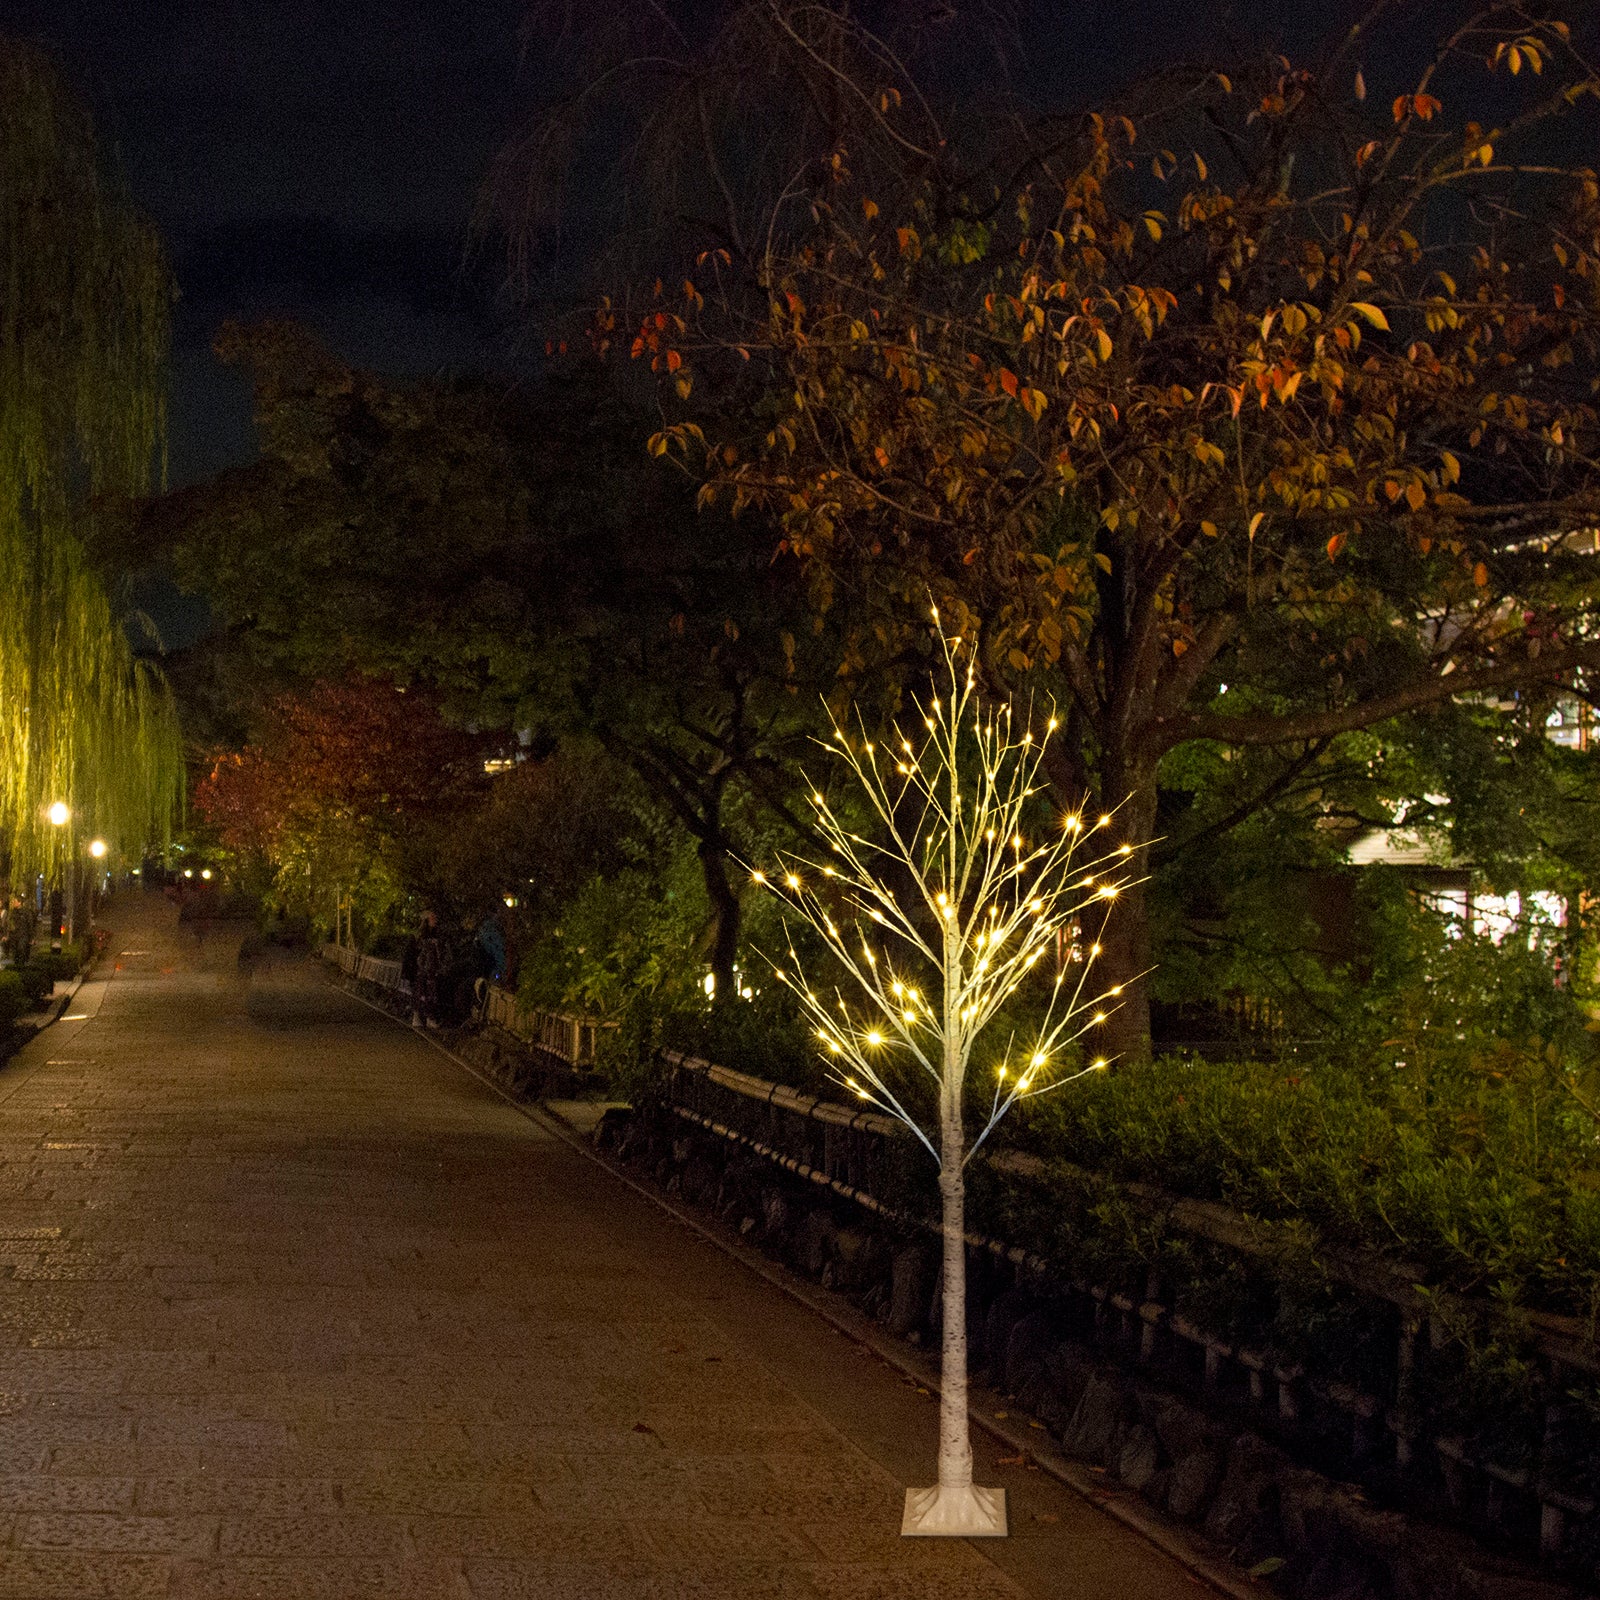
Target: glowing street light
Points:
(97, 848)
(58, 813)
(205, 872)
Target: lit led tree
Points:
(971, 882)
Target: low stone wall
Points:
(1074, 1368)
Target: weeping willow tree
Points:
(85, 298)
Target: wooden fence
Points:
(568, 1038)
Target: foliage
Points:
(1437, 1132)
(328, 794)
(37, 981)
(13, 998)
(1225, 398)
(83, 340)
(622, 941)
(520, 554)
(539, 833)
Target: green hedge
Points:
(36, 982)
(13, 998)
(63, 965)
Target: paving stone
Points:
(98, 1531)
(291, 1306)
(315, 1536)
(74, 1575)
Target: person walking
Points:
(430, 968)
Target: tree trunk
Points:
(955, 1438)
(725, 912)
(954, 1507)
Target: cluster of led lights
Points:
(1003, 961)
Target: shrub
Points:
(62, 965)
(36, 982)
(13, 998)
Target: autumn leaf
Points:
(1422, 106)
(1008, 381)
(1480, 576)
(1335, 545)
(1371, 312)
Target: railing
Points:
(1380, 1430)
(570, 1039)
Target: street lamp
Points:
(97, 848)
(57, 813)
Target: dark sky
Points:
(315, 157)
(320, 157)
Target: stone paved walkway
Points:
(291, 1306)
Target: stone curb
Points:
(1171, 1538)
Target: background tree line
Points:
(1249, 421)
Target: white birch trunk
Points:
(954, 1508)
(955, 1437)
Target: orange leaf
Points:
(1335, 545)
(1008, 381)
(1480, 576)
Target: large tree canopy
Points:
(1266, 421)
(520, 553)
(83, 340)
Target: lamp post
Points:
(98, 851)
(59, 814)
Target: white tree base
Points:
(941, 1513)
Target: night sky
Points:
(312, 157)
(320, 158)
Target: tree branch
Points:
(1170, 732)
